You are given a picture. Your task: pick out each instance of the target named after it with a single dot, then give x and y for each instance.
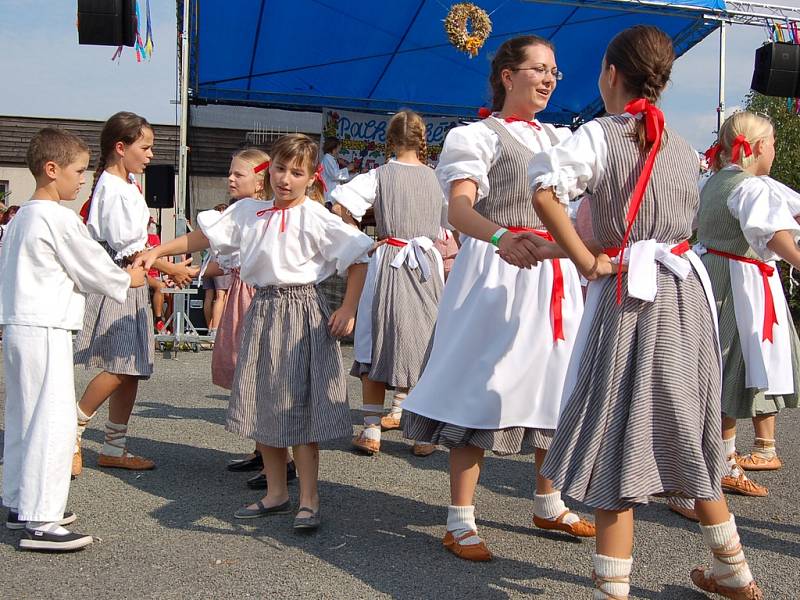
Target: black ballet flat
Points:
(240, 465)
(259, 482)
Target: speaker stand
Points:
(184, 335)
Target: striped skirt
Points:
(642, 414)
(289, 386)
(229, 332)
(118, 338)
(511, 440)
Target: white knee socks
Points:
(551, 506)
(729, 566)
(614, 571)
(461, 520)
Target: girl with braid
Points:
(399, 304)
(118, 338)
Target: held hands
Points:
(138, 276)
(375, 246)
(146, 259)
(520, 251)
(182, 273)
(342, 321)
(602, 267)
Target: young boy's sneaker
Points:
(34, 539)
(13, 521)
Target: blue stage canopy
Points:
(381, 56)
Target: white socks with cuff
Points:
(551, 506)
(372, 422)
(83, 421)
(460, 521)
(730, 568)
(613, 571)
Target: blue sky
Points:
(46, 73)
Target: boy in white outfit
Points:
(48, 262)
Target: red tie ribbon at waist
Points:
(557, 295)
(272, 211)
(395, 242)
(770, 318)
(677, 250)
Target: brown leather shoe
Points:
(581, 528)
(366, 445)
(703, 579)
(77, 463)
(743, 486)
(475, 552)
(423, 449)
(390, 422)
(753, 462)
(126, 461)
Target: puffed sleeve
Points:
(358, 195)
(223, 229)
(87, 264)
(468, 153)
(573, 166)
(121, 220)
(762, 210)
(340, 243)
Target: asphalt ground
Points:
(170, 533)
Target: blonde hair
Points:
(297, 148)
(752, 126)
(255, 157)
(406, 131)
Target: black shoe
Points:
(263, 511)
(239, 465)
(49, 542)
(13, 521)
(259, 482)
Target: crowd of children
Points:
(633, 393)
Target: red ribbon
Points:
(770, 317)
(740, 143)
(318, 177)
(85, 210)
(516, 119)
(654, 129)
(395, 242)
(712, 153)
(557, 294)
(258, 168)
(484, 112)
(272, 211)
(677, 250)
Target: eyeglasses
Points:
(541, 71)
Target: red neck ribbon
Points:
(515, 119)
(318, 177)
(271, 212)
(258, 168)
(484, 112)
(654, 128)
(740, 143)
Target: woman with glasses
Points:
(504, 334)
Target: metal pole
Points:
(180, 200)
(721, 106)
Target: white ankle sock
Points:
(397, 405)
(47, 527)
(609, 567)
(115, 442)
(461, 520)
(729, 447)
(372, 428)
(724, 536)
(764, 448)
(550, 507)
(83, 421)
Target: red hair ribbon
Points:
(258, 168)
(740, 143)
(484, 112)
(654, 129)
(515, 119)
(318, 177)
(712, 153)
(272, 211)
(85, 210)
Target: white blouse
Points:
(763, 207)
(48, 262)
(332, 175)
(282, 247)
(119, 215)
(471, 150)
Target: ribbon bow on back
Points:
(740, 144)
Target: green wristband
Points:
(497, 235)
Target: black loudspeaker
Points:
(777, 70)
(107, 22)
(159, 186)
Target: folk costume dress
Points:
(398, 307)
(739, 214)
(642, 398)
(504, 335)
(289, 385)
(118, 338)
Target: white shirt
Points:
(332, 175)
(119, 215)
(295, 246)
(471, 150)
(48, 262)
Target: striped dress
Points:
(495, 373)
(404, 304)
(642, 413)
(718, 229)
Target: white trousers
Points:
(40, 421)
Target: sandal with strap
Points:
(706, 581)
(581, 528)
(599, 582)
(475, 552)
